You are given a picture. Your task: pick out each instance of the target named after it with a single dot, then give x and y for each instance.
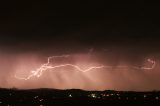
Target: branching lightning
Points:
(48, 66)
(38, 72)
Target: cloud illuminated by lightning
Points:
(152, 62)
(38, 72)
(47, 66)
(152, 66)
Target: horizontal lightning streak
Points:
(44, 67)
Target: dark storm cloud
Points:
(89, 24)
(56, 19)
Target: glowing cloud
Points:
(48, 66)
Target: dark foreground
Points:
(51, 97)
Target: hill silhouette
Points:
(48, 97)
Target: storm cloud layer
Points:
(121, 74)
(94, 33)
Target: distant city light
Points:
(145, 96)
(93, 95)
(70, 95)
(156, 97)
(36, 97)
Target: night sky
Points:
(28, 26)
(123, 31)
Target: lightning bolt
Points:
(148, 68)
(152, 67)
(44, 67)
